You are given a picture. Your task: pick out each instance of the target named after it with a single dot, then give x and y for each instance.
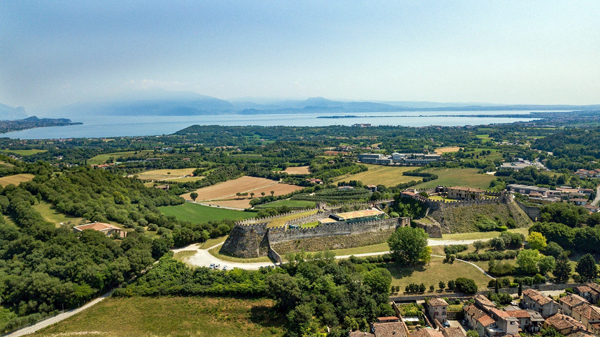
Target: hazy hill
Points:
(8, 113)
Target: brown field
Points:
(15, 179)
(169, 174)
(297, 170)
(449, 149)
(228, 189)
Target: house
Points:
(315, 181)
(579, 201)
(164, 187)
(535, 300)
(505, 323)
(583, 334)
(105, 228)
(477, 319)
(453, 332)
(345, 188)
(567, 303)
(437, 309)
(528, 320)
(587, 314)
(389, 327)
(372, 188)
(590, 291)
(465, 193)
(528, 190)
(563, 324)
(359, 333)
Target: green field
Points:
(288, 203)
(200, 214)
(467, 177)
(173, 316)
(381, 175)
(23, 153)
(51, 215)
(435, 272)
(102, 158)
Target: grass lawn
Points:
(23, 153)
(52, 215)
(380, 247)
(211, 242)
(281, 221)
(215, 252)
(288, 203)
(467, 177)
(184, 255)
(381, 175)
(435, 272)
(15, 179)
(311, 224)
(480, 235)
(173, 316)
(102, 158)
(200, 214)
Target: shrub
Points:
(454, 249)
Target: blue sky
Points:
(54, 53)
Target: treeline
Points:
(581, 239)
(312, 292)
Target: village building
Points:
(529, 320)
(590, 291)
(579, 201)
(437, 309)
(465, 193)
(533, 191)
(389, 327)
(563, 324)
(588, 315)
(569, 302)
(535, 300)
(105, 228)
(427, 332)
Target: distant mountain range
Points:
(169, 103)
(7, 112)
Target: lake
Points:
(115, 126)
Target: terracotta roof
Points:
(591, 312)
(500, 313)
(561, 322)
(584, 289)
(434, 302)
(453, 332)
(595, 287)
(581, 334)
(484, 301)
(474, 311)
(537, 296)
(426, 333)
(486, 320)
(360, 334)
(97, 226)
(518, 313)
(394, 329)
(572, 300)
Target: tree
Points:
(537, 241)
(478, 245)
(442, 285)
(422, 287)
(498, 244)
(546, 264)
(252, 195)
(426, 255)
(194, 196)
(431, 288)
(496, 287)
(554, 249)
(587, 268)
(472, 333)
(451, 284)
(466, 285)
(550, 332)
(272, 193)
(520, 290)
(407, 245)
(379, 280)
(262, 193)
(562, 271)
(527, 260)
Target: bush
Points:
(454, 249)
(466, 285)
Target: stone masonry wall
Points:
(246, 241)
(533, 212)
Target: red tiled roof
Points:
(394, 329)
(434, 302)
(591, 312)
(537, 296)
(561, 322)
(572, 300)
(359, 333)
(486, 320)
(518, 313)
(426, 333)
(474, 312)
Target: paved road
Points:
(595, 202)
(55, 319)
(203, 258)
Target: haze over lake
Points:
(115, 126)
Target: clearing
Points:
(23, 153)
(173, 316)
(227, 190)
(103, 158)
(52, 215)
(297, 170)
(178, 175)
(448, 149)
(468, 177)
(435, 272)
(201, 214)
(381, 175)
(15, 179)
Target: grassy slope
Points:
(102, 158)
(215, 252)
(200, 214)
(23, 152)
(174, 316)
(435, 272)
(15, 179)
(458, 177)
(52, 215)
(381, 175)
(464, 219)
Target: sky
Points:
(55, 53)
